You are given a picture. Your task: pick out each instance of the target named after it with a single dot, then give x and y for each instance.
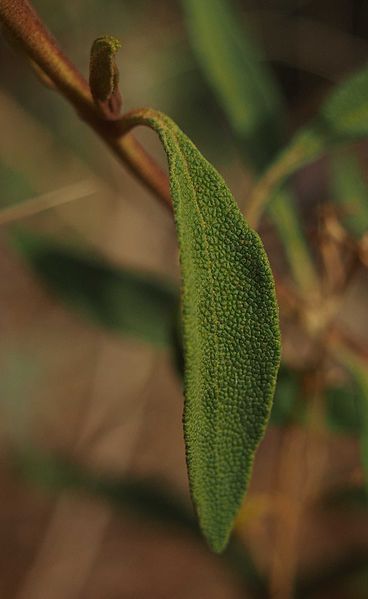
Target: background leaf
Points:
(129, 303)
(347, 497)
(232, 64)
(344, 577)
(148, 499)
(343, 409)
(144, 498)
(231, 335)
(342, 118)
(342, 404)
(285, 217)
(286, 405)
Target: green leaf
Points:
(231, 334)
(345, 114)
(123, 301)
(15, 187)
(234, 68)
(142, 497)
(350, 191)
(343, 118)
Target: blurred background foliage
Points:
(94, 498)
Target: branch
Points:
(24, 25)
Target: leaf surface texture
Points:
(231, 334)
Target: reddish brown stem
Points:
(23, 23)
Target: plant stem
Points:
(266, 186)
(25, 26)
(306, 146)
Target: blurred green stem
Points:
(284, 216)
(268, 184)
(22, 22)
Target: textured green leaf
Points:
(350, 191)
(342, 118)
(130, 303)
(231, 335)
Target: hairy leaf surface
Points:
(231, 335)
